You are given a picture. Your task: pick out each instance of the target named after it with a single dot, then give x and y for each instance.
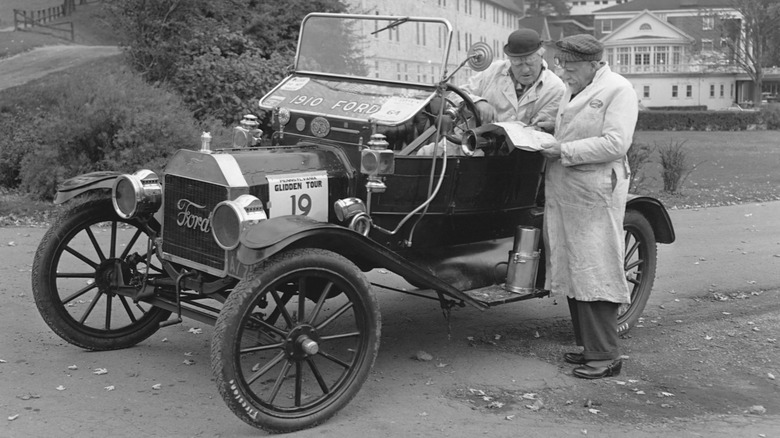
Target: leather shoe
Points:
(575, 358)
(589, 372)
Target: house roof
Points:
(660, 29)
(664, 5)
(538, 24)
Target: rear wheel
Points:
(75, 273)
(295, 340)
(639, 264)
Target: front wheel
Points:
(295, 340)
(639, 264)
(76, 271)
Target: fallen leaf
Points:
(423, 414)
(509, 417)
(60, 388)
(666, 405)
(665, 394)
(569, 402)
(188, 353)
(593, 411)
(195, 331)
(771, 376)
(423, 356)
(73, 367)
(11, 243)
(441, 365)
(109, 388)
(188, 362)
(727, 313)
(157, 386)
(620, 382)
(165, 339)
(3, 361)
(13, 417)
(757, 410)
(536, 406)
(640, 392)
(536, 334)
(495, 405)
(529, 396)
(708, 338)
(100, 371)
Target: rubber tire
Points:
(228, 330)
(644, 237)
(46, 293)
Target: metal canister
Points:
(523, 261)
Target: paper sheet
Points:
(518, 135)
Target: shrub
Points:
(698, 120)
(104, 118)
(638, 155)
(771, 116)
(675, 165)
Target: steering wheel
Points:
(466, 115)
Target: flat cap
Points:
(581, 47)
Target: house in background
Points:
(675, 52)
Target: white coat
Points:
(586, 190)
(496, 87)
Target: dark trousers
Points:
(595, 328)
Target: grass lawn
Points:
(733, 167)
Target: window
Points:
(689, 91)
(646, 92)
(706, 45)
(722, 90)
(642, 55)
(674, 91)
(624, 56)
(645, 26)
(707, 23)
(376, 69)
(676, 55)
(712, 90)
(661, 55)
(398, 70)
(606, 26)
(731, 92)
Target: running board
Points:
(496, 294)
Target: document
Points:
(518, 135)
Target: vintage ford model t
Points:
(270, 240)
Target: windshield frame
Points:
(392, 22)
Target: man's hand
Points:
(487, 113)
(543, 123)
(551, 149)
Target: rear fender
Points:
(656, 214)
(277, 234)
(88, 182)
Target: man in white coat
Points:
(520, 88)
(586, 185)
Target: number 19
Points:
(303, 205)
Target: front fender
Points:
(656, 214)
(274, 235)
(87, 182)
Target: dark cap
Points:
(522, 42)
(582, 47)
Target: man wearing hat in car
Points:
(586, 185)
(520, 88)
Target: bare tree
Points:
(753, 37)
(539, 8)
